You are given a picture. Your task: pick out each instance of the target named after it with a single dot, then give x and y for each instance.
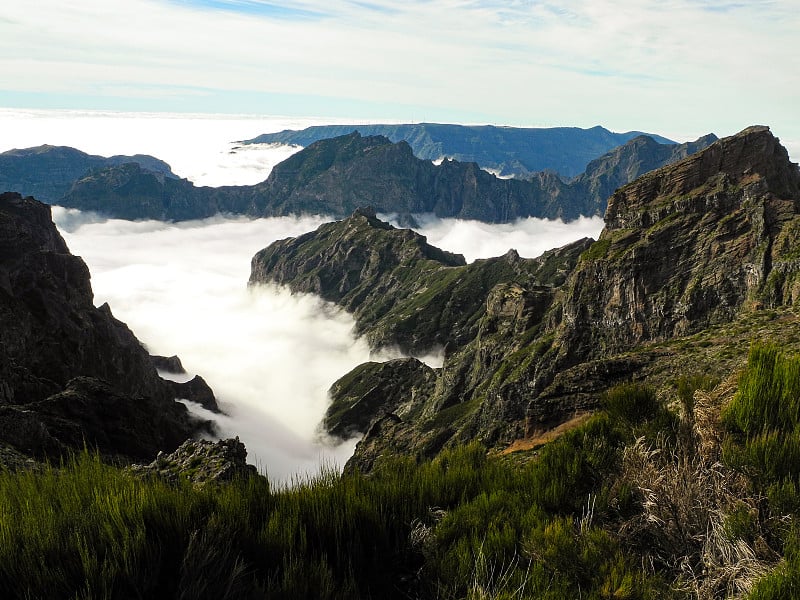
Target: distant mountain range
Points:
(508, 151)
(333, 177)
(48, 172)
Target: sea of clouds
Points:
(270, 356)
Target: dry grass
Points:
(688, 498)
(704, 423)
(538, 440)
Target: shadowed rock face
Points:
(713, 238)
(334, 177)
(71, 372)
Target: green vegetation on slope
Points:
(644, 500)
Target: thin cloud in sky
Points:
(665, 66)
(254, 7)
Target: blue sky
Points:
(677, 67)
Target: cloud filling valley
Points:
(269, 355)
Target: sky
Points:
(681, 68)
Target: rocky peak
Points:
(26, 227)
(201, 462)
(753, 156)
(688, 246)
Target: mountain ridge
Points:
(47, 172)
(335, 177)
(700, 245)
(517, 151)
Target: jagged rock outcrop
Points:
(48, 172)
(201, 462)
(70, 373)
(336, 176)
(168, 364)
(517, 151)
(689, 246)
(195, 390)
(374, 389)
(710, 239)
(402, 291)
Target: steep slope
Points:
(696, 248)
(71, 373)
(401, 290)
(48, 172)
(517, 151)
(689, 246)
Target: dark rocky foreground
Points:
(70, 373)
(201, 462)
(696, 248)
(336, 176)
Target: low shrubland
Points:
(647, 499)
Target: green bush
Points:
(764, 417)
(89, 530)
(768, 396)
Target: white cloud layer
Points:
(270, 356)
(201, 148)
(529, 237)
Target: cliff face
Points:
(336, 176)
(688, 248)
(402, 291)
(71, 372)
